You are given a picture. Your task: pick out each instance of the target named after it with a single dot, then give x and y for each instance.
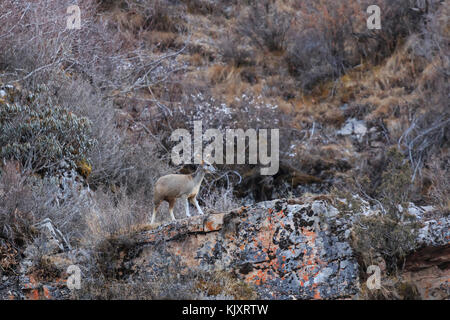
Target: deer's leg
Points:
(195, 203)
(155, 208)
(171, 205)
(187, 206)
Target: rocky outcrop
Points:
(284, 249)
(428, 268)
(287, 251)
(40, 274)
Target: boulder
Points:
(353, 127)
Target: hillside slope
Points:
(86, 118)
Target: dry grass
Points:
(437, 182)
(169, 286)
(223, 284)
(227, 81)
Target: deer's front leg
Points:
(195, 203)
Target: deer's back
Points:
(173, 186)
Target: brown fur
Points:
(173, 186)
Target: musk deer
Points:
(173, 186)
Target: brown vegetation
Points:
(86, 116)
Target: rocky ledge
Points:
(285, 249)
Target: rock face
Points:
(429, 269)
(28, 283)
(286, 250)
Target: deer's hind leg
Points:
(156, 205)
(171, 205)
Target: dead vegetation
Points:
(137, 70)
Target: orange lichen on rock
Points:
(310, 234)
(317, 295)
(209, 226)
(276, 249)
(33, 295)
(47, 294)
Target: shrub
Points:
(390, 234)
(96, 52)
(8, 257)
(222, 284)
(150, 15)
(332, 36)
(233, 52)
(112, 215)
(396, 187)
(98, 289)
(265, 25)
(219, 199)
(43, 138)
(112, 276)
(201, 6)
(27, 199)
(310, 59)
(16, 207)
(385, 181)
(439, 177)
(382, 235)
(123, 163)
(171, 286)
(33, 54)
(392, 288)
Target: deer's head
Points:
(207, 167)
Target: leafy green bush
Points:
(43, 138)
